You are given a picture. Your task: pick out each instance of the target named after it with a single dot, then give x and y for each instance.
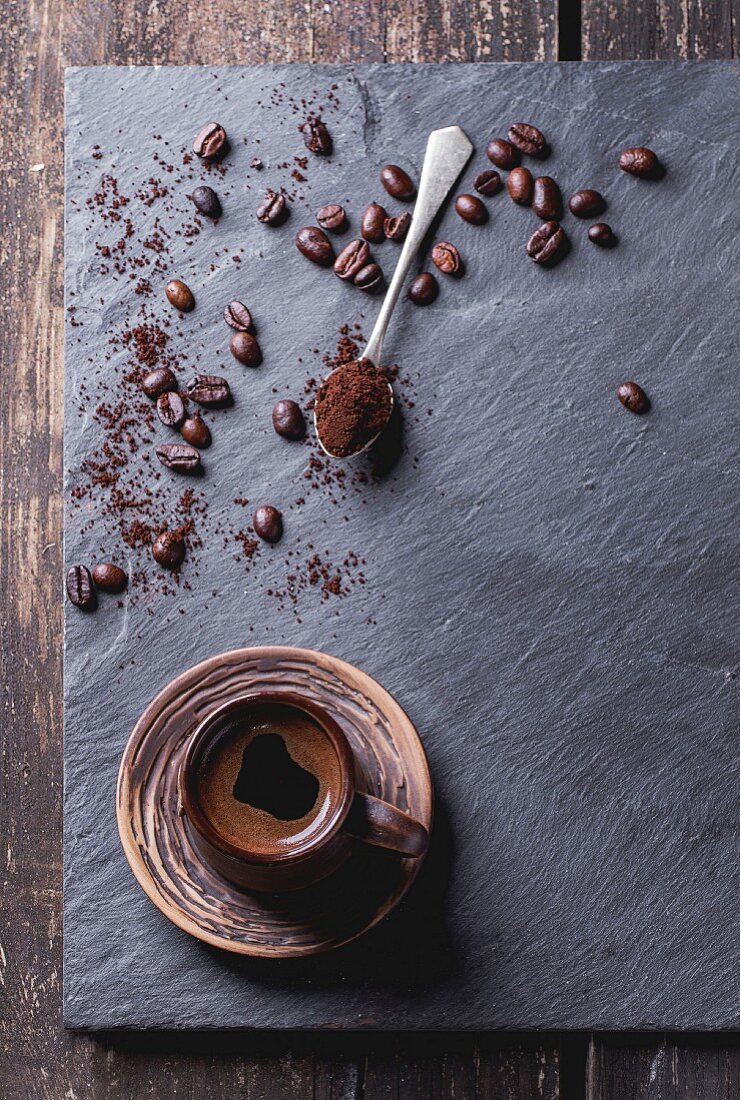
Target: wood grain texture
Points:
(37, 1058)
(662, 29)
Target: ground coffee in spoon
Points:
(352, 406)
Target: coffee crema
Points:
(271, 780)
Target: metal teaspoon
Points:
(448, 151)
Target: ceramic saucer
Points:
(390, 764)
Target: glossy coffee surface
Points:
(270, 781)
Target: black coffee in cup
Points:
(270, 780)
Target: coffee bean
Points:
(245, 349)
(471, 209)
(195, 431)
(110, 578)
(171, 409)
(520, 186)
(168, 549)
(372, 221)
(158, 381)
(273, 210)
(397, 182)
(446, 257)
(209, 390)
(640, 161)
(423, 289)
(268, 523)
(207, 202)
(287, 420)
(488, 183)
(316, 137)
(80, 588)
(633, 397)
(547, 202)
(315, 245)
(528, 138)
(547, 244)
(238, 316)
(180, 457)
(397, 228)
(369, 278)
(210, 141)
(352, 259)
(602, 234)
(180, 295)
(332, 217)
(503, 154)
(586, 203)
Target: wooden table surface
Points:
(38, 1059)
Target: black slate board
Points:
(550, 581)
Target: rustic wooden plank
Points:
(509, 1069)
(707, 1068)
(420, 1068)
(657, 29)
(643, 1068)
(481, 30)
(635, 1067)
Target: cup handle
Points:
(376, 822)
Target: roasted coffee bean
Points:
(397, 182)
(640, 161)
(315, 245)
(180, 457)
(195, 431)
(207, 202)
(520, 186)
(268, 523)
(528, 138)
(171, 409)
(547, 202)
(446, 257)
(397, 228)
(633, 397)
(245, 349)
(209, 390)
(210, 141)
(547, 244)
(168, 549)
(180, 295)
(488, 183)
(110, 578)
(471, 209)
(586, 203)
(238, 316)
(369, 278)
(332, 217)
(273, 210)
(316, 137)
(352, 259)
(288, 421)
(158, 381)
(423, 289)
(80, 588)
(602, 234)
(503, 154)
(372, 222)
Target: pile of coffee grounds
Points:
(352, 406)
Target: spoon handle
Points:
(448, 151)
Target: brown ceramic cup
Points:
(352, 814)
